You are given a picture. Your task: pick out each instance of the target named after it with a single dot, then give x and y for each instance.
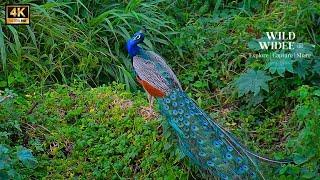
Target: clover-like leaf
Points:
(26, 157)
(252, 81)
(280, 65)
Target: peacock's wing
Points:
(165, 66)
(152, 69)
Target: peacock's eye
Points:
(137, 37)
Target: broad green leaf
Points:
(27, 158)
(308, 175)
(4, 158)
(216, 20)
(303, 112)
(283, 170)
(316, 67)
(252, 81)
(299, 159)
(316, 92)
(302, 68)
(199, 84)
(254, 45)
(280, 65)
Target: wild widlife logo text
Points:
(285, 41)
(277, 41)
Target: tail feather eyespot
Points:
(228, 156)
(174, 112)
(201, 153)
(195, 128)
(210, 163)
(225, 177)
(185, 122)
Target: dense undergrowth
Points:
(271, 103)
(99, 133)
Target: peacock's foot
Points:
(148, 113)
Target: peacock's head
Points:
(136, 39)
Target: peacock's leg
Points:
(151, 100)
(148, 112)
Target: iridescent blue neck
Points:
(133, 48)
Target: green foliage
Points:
(98, 133)
(13, 161)
(280, 65)
(9, 125)
(253, 81)
(10, 166)
(26, 158)
(73, 132)
(219, 51)
(75, 40)
(305, 146)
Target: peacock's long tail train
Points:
(206, 143)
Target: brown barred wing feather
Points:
(147, 72)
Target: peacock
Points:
(204, 141)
